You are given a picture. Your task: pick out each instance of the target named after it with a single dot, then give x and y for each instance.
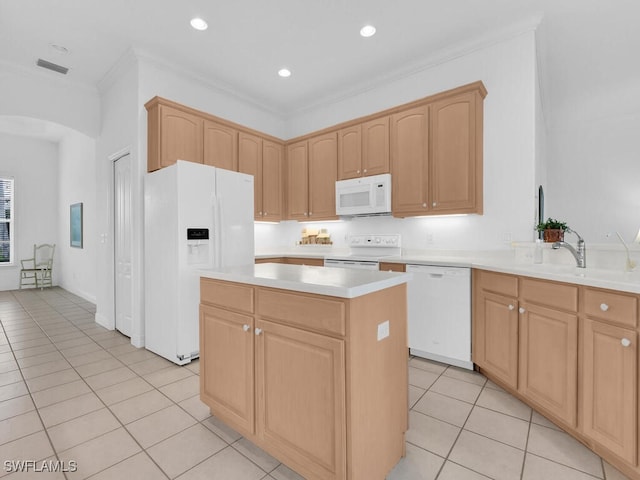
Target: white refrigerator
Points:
(195, 217)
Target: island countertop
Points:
(336, 282)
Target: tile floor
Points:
(71, 391)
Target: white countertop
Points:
(335, 282)
(503, 261)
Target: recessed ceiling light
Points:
(368, 31)
(199, 24)
(284, 72)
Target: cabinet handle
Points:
(604, 307)
(521, 310)
(245, 327)
(625, 342)
(258, 331)
(511, 307)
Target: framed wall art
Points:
(75, 223)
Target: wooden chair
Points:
(38, 270)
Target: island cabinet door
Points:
(226, 366)
(549, 360)
(609, 387)
(300, 382)
(495, 344)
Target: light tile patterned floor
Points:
(72, 391)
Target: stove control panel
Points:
(374, 241)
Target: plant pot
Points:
(552, 235)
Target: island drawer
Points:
(310, 312)
(551, 294)
(612, 306)
(227, 295)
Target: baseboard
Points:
(105, 322)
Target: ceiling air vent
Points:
(52, 66)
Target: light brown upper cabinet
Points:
(364, 149)
(264, 160)
(409, 156)
(436, 154)
(312, 169)
(272, 181)
(456, 154)
(220, 145)
(250, 161)
(173, 134)
(297, 181)
(323, 173)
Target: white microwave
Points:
(364, 196)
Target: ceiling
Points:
(586, 46)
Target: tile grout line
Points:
(154, 387)
(46, 429)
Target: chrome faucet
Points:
(579, 253)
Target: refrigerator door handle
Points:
(217, 240)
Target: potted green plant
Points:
(553, 230)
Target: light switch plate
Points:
(383, 330)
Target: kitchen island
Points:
(310, 364)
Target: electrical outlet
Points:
(383, 330)
(506, 237)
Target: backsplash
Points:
(604, 256)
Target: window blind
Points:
(6, 220)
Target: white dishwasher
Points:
(439, 311)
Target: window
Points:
(6, 220)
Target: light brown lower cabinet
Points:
(610, 388)
(548, 368)
(495, 325)
(569, 351)
(305, 377)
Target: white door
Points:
(122, 243)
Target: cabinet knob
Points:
(310, 213)
(258, 331)
(260, 213)
(424, 205)
(625, 342)
(433, 204)
(604, 307)
(521, 310)
(264, 213)
(305, 214)
(245, 327)
(357, 171)
(365, 170)
(511, 307)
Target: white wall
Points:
(76, 179)
(594, 176)
(508, 71)
(120, 132)
(165, 81)
(45, 96)
(34, 165)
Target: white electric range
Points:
(366, 251)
